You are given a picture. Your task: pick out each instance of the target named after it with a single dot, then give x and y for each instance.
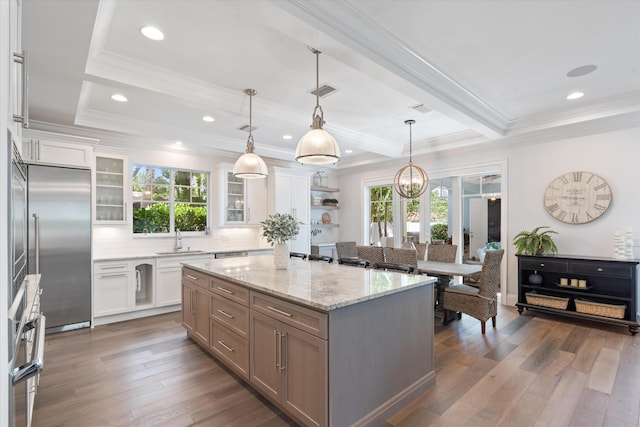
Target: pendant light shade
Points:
(317, 147)
(411, 181)
(250, 165)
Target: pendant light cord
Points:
(317, 52)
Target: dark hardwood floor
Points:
(533, 370)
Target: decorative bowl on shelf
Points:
(330, 202)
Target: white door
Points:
(478, 228)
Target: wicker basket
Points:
(547, 301)
(600, 309)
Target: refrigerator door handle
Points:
(36, 235)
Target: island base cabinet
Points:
(231, 348)
(195, 312)
(289, 366)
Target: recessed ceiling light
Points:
(208, 119)
(348, 151)
(575, 95)
(152, 33)
(582, 70)
(286, 137)
(178, 142)
(119, 97)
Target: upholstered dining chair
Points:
(372, 254)
(403, 256)
(346, 250)
(441, 252)
(481, 302)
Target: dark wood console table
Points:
(609, 283)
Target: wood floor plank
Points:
(531, 370)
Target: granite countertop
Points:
(318, 285)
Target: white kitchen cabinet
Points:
(111, 180)
(243, 201)
(123, 286)
(291, 195)
(169, 278)
(56, 149)
(113, 288)
(18, 70)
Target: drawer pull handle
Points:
(226, 346)
(225, 314)
(225, 290)
(276, 340)
(542, 264)
(600, 270)
(192, 277)
(284, 313)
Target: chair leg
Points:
(484, 328)
(445, 320)
(493, 321)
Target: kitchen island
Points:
(331, 345)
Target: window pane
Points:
(190, 217)
(439, 221)
(381, 222)
(471, 185)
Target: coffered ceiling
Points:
(479, 71)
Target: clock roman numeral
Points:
(590, 178)
(561, 215)
(577, 176)
(600, 187)
(589, 216)
(574, 217)
(564, 179)
(603, 197)
(554, 207)
(599, 207)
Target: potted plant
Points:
(535, 242)
(277, 229)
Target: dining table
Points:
(443, 271)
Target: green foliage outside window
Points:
(440, 232)
(381, 208)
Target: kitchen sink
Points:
(187, 252)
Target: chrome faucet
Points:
(178, 242)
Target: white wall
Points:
(528, 169)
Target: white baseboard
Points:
(121, 317)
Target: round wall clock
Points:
(577, 197)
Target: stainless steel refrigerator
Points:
(59, 206)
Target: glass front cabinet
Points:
(110, 180)
(243, 200)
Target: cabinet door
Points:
(305, 380)
(168, 290)
(256, 201)
(300, 198)
(188, 308)
(59, 153)
(201, 301)
(113, 293)
(265, 346)
(110, 189)
(301, 242)
(235, 199)
(284, 193)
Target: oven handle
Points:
(36, 365)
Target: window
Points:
(166, 200)
(381, 213)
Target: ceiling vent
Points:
(421, 108)
(245, 128)
(324, 90)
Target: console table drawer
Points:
(545, 265)
(604, 269)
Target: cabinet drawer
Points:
(292, 314)
(601, 269)
(234, 292)
(111, 267)
(231, 314)
(195, 277)
(545, 265)
(231, 348)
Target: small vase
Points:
(281, 256)
(535, 278)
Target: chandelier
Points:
(411, 181)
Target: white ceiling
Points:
(485, 69)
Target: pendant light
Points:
(250, 165)
(317, 147)
(411, 181)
